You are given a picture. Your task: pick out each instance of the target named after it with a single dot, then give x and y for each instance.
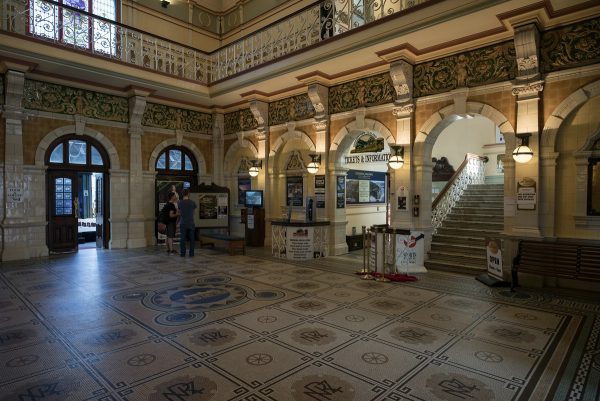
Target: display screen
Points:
(254, 198)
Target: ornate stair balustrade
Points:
(79, 30)
(471, 171)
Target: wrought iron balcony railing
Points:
(78, 30)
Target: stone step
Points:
(457, 257)
(471, 270)
(495, 226)
(477, 191)
(481, 198)
(483, 202)
(482, 218)
(466, 232)
(497, 211)
(460, 239)
(475, 249)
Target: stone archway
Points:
(346, 136)
(202, 176)
(549, 156)
(42, 148)
(426, 138)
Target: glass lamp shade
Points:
(313, 167)
(522, 154)
(253, 171)
(396, 162)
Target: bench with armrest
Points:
(231, 242)
(575, 260)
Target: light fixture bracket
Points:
(314, 164)
(396, 160)
(523, 153)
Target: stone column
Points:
(422, 171)
(400, 179)
(260, 111)
(337, 216)
(218, 145)
(136, 237)
(17, 192)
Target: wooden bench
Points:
(575, 260)
(229, 242)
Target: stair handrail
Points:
(471, 171)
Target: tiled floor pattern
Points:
(141, 325)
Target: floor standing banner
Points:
(410, 253)
(494, 257)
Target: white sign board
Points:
(410, 252)
(494, 257)
(14, 194)
(299, 243)
(526, 194)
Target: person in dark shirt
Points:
(187, 227)
(172, 215)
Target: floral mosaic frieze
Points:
(291, 109)
(571, 46)
(478, 67)
(240, 120)
(364, 92)
(167, 117)
(55, 98)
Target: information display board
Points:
(365, 187)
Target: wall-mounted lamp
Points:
(164, 3)
(396, 160)
(523, 153)
(254, 169)
(315, 163)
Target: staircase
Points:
(459, 244)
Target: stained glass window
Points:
(160, 163)
(63, 203)
(77, 152)
(175, 159)
(188, 164)
(78, 29)
(96, 158)
(57, 154)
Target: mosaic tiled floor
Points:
(142, 325)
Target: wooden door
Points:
(62, 211)
(100, 211)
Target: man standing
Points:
(187, 227)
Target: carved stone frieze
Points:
(527, 64)
(401, 73)
(571, 46)
(293, 108)
(478, 67)
(66, 100)
(240, 120)
(167, 117)
(319, 96)
(364, 92)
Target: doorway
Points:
(77, 205)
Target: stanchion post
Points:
(382, 278)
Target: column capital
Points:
(528, 90)
(321, 125)
(404, 110)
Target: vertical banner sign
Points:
(526, 194)
(244, 184)
(494, 257)
(373, 252)
(299, 243)
(340, 196)
(410, 251)
(295, 191)
(320, 191)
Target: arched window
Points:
(77, 152)
(176, 160)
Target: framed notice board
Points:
(213, 206)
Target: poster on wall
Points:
(299, 243)
(213, 209)
(526, 194)
(494, 257)
(340, 195)
(365, 187)
(320, 191)
(244, 184)
(295, 191)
